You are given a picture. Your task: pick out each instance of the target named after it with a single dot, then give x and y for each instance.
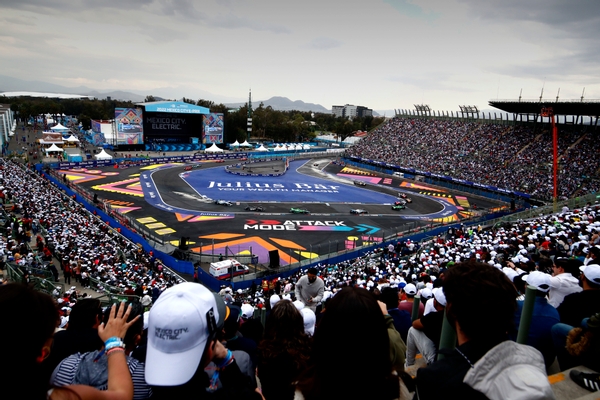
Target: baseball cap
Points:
(539, 280)
(426, 293)
(183, 319)
(247, 310)
(440, 296)
(274, 300)
(309, 320)
(410, 289)
(591, 272)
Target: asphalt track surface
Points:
(167, 200)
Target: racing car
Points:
(398, 207)
(358, 211)
(219, 160)
(405, 197)
(360, 183)
(223, 203)
(400, 203)
(254, 208)
(295, 210)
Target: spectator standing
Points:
(309, 289)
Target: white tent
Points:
(245, 144)
(71, 139)
(262, 148)
(59, 127)
(306, 147)
(235, 144)
(214, 149)
(53, 148)
(103, 155)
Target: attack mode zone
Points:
(290, 225)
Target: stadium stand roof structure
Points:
(574, 108)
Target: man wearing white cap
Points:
(424, 336)
(544, 316)
(183, 338)
(586, 303)
(410, 290)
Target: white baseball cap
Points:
(247, 310)
(539, 280)
(310, 319)
(410, 289)
(180, 323)
(440, 296)
(591, 272)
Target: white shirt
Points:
(562, 285)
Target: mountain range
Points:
(10, 84)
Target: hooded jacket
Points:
(510, 371)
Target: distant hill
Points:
(10, 84)
(284, 104)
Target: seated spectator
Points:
(544, 317)
(352, 317)
(183, 327)
(481, 303)
(410, 290)
(81, 335)
(564, 281)
(36, 316)
(284, 351)
(91, 368)
(402, 318)
(424, 335)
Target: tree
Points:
(149, 99)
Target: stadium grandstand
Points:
(510, 157)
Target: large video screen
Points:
(130, 129)
(213, 128)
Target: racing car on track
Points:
(254, 208)
(223, 203)
(398, 207)
(400, 202)
(191, 167)
(219, 160)
(358, 211)
(405, 197)
(295, 210)
(360, 183)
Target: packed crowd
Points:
(508, 157)
(86, 248)
(188, 342)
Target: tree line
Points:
(267, 123)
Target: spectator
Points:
(36, 316)
(402, 319)
(563, 281)
(481, 305)
(91, 368)
(544, 317)
(81, 335)
(309, 289)
(182, 339)
(352, 317)
(407, 305)
(284, 351)
(424, 335)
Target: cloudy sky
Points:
(383, 54)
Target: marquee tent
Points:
(59, 127)
(53, 148)
(103, 155)
(245, 144)
(71, 139)
(262, 148)
(235, 144)
(214, 149)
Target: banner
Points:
(212, 125)
(129, 126)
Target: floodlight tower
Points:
(549, 112)
(249, 123)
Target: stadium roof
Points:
(575, 107)
(177, 107)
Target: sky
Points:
(382, 54)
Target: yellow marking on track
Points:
(221, 236)
(165, 231)
(146, 220)
(156, 225)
